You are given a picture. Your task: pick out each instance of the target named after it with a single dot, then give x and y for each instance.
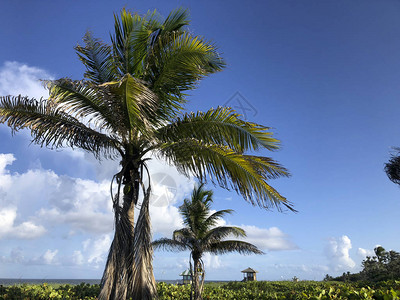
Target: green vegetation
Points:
(201, 235)
(233, 290)
(384, 265)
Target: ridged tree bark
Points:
(197, 278)
(129, 271)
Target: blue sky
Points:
(323, 74)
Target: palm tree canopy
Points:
(130, 104)
(392, 167)
(200, 233)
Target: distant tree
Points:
(201, 235)
(328, 278)
(383, 265)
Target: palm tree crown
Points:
(200, 233)
(129, 106)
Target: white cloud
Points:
(211, 261)
(338, 255)
(97, 249)
(164, 220)
(47, 258)
(365, 252)
(77, 258)
(25, 230)
(272, 239)
(82, 204)
(17, 78)
(168, 185)
(16, 256)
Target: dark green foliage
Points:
(384, 265)
(46, 291)
(233, 290)
(392, 167)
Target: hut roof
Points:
(186, 273)
(249, 270)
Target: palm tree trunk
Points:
(197, 287)
(117, 276)
(129, 271)
(143, 278)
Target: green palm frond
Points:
(229, 169)
(224, 247)
(177, 19)
(139, 102)
(267, 167)
(220, 233)
(170, 245)
(196, 210)
(184, 235)
(132, 40)
(221, 126)
(212, 220)
(82, 100)
(98, 60)
(52, 127)
(184, 61)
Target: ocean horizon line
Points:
(12, 281)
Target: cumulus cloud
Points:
(25, 230)
(82, 204)
(97, 249)
(17, 78)
(365, 252)
(77, 258)
(212, 261)
(16, 256)
(337, 252)
(272, 239)
(47, 258)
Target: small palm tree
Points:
(200, 235)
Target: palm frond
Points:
(139, 102)
(183, 235)
(170, 245)
(224, 247)
(132, 35)
(176, 19)
(196, 210)
(52, 127)
(392, 167)
(142, 282)
(88, 101)
(97, 58)
(221, 126)
(227, 168)
(213, 219)
(184, 61)
(217, 234)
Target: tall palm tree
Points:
(129, 107)
(200, 235)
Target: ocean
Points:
(13, 281)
